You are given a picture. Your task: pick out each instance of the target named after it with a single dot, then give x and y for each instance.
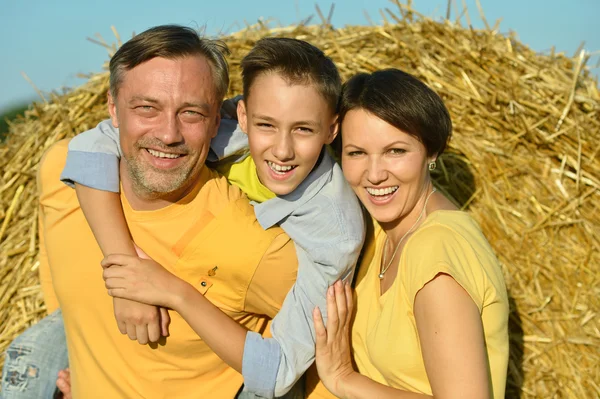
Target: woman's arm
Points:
(452, 340)
(451, 336)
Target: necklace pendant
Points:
(381, 276)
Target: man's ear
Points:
(112, 109)
(242, 116)
(334, 129)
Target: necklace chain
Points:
(384, 269)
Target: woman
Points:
(431, 308)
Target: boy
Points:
(288, 112)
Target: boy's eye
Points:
(304, 129)
(265, 125)
(354, 153)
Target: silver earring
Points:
(432, 165)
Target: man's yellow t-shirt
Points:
(385, 340)
(210, 238)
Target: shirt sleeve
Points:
(230, 145)
(93, 158)
(440, 250)
(47, 174)
(271, 282)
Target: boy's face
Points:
(287, 126)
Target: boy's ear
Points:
(242, 116)
(334, 129)
(112, 109)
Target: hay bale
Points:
(524, 160)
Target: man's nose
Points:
(283, 148)
(170, 133)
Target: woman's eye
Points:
(397, 151)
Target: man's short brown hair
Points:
(297, 61)
(171, 42)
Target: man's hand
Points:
(141, 322)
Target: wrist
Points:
(182, 295)
(346, 383)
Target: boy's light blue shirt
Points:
(322, 216)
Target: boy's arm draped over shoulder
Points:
(94, 158)
(328, 231)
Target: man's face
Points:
(167, 112)
(287, 126)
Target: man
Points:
(166, 90)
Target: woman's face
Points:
(386, 167)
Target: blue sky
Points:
(47, 39)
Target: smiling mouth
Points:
(381, 192)
(160, 154)
(281, 169)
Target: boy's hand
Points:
(141, 280)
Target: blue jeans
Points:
(33, 360)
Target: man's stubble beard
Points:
(150, 183)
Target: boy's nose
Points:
(283, 149)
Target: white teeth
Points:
(160, 154)
(381, 191)
(280, 168)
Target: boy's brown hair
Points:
(298, 62)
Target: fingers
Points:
(141, 332)
(115, 259)
(349, 302)
(332, 313)
(165, 321)
(63, 382)
(131, 332)
(122, 327)
(341, 303)
(320, 331)
(154, 330)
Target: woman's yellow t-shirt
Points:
(385, 340)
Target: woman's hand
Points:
(141, 280)
(333, 358)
